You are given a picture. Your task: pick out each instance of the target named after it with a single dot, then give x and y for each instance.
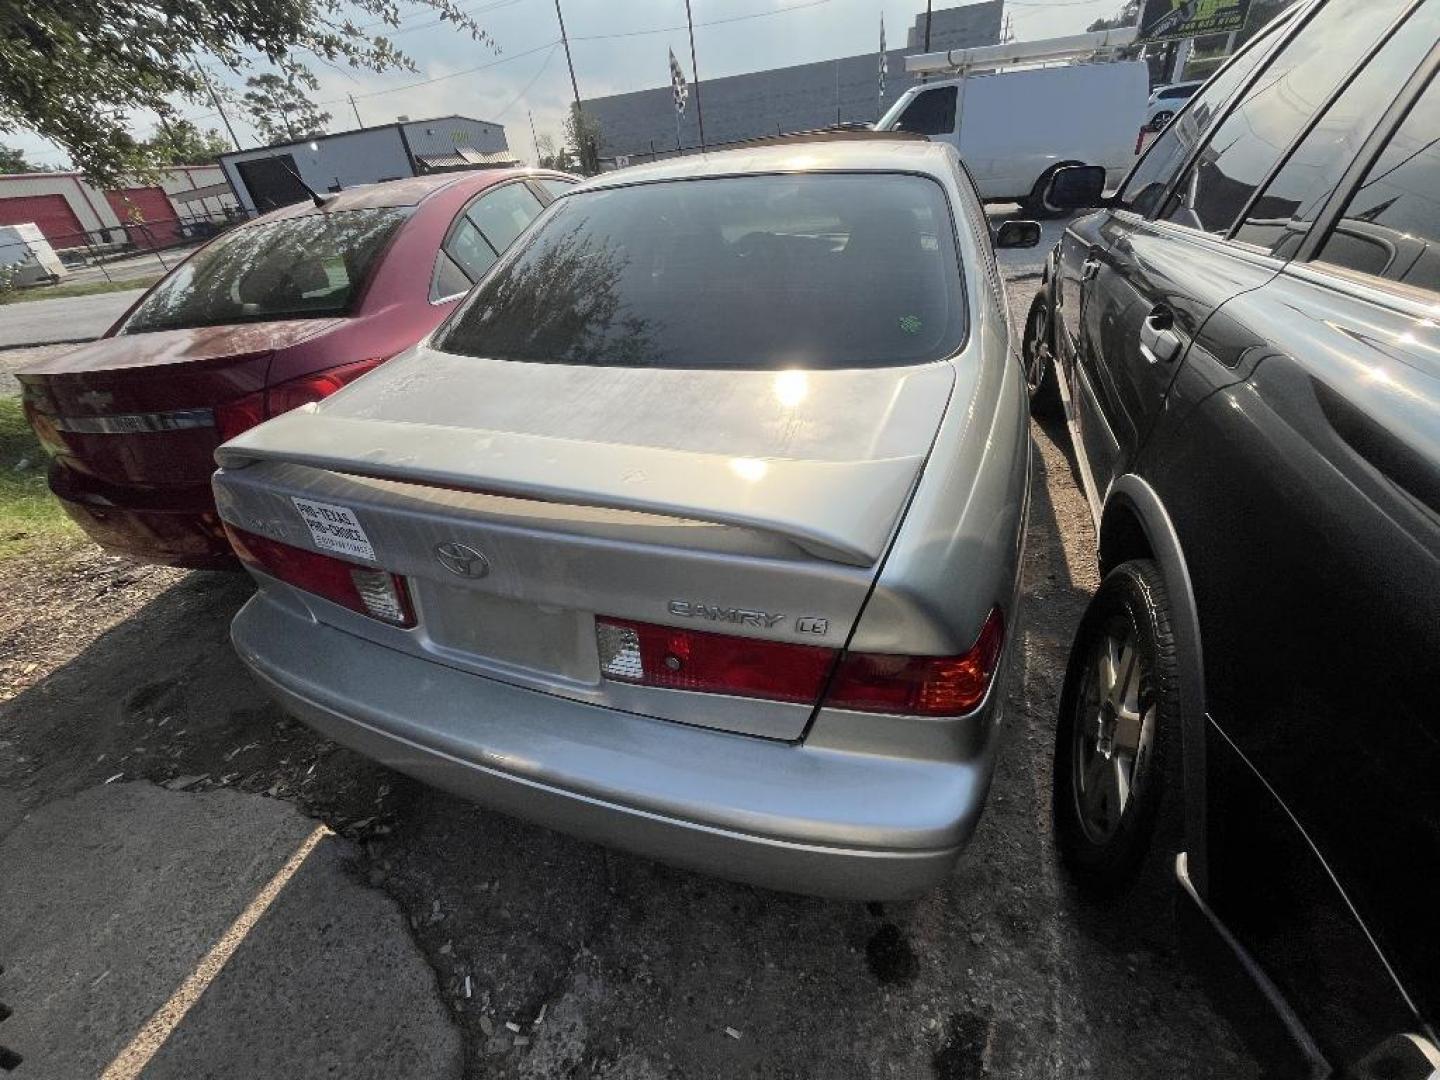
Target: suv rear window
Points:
(817, 270)
(304, 267)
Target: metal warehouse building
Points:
(266, 178)
(71, 213)
(784, 99)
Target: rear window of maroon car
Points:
(760, 272)
(312, 266)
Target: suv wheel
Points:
(1160, 119)
(1034, 204)
(1041, 379)
(1119, 717)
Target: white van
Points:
(1013, 127)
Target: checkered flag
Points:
(679, 89)
(884, 64)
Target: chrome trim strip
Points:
(1319, 1067)
(136, 423)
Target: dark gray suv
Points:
(1244, 342)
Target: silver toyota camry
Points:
(695, 530)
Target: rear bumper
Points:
(172, 526)
(776, 814)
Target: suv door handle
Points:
(1089, 268)
(1158, 342)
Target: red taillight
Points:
(370, 591)
(920, 685)
(245, 412)
(666, 656)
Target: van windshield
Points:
(813, 270)
(311, 266)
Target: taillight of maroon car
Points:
(243, 413)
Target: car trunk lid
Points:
(757, 504)
(139, 408)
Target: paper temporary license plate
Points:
(335, 528)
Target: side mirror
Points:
(1017, 234)
(1075, 187)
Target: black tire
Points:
(1104, 848)
(1160, 119)
(1034, 204)
(1038, 359)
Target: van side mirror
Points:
(1017, 234)
(1075, 187)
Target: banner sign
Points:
(1166, 20)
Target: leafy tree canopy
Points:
(181, 142)
(582, 140)
(74, 71)
(13, 160)
(281, 107)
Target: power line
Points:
(452, 75)
(712, 22)
(533, 80)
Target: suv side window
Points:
(931, 113)
(1279, 219)
(1250, 140)
(1391, 226)
(1153, 172)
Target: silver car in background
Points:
(695, 531)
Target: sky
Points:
(528, 76)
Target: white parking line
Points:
(150, 1038)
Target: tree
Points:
(551, 158)
(582, 138)
(281, 108)
(74, 71)
(1128, 15)
(13, 160)
(181, 142)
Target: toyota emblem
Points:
(462, 560)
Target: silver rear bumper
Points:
(777, 814)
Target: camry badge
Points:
(462, 560)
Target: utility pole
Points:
(695, 72)
(928, 4)
(534, 140)
(357, 111)
(575, 89)
(215, 100)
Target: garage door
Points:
(147, 215)
(51, 213)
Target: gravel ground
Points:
(12, 360)
(583, 962)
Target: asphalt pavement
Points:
(70, 318)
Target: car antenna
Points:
(320, 201)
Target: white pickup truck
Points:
(1014, 127)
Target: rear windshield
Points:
(296, 268)
(814, 270)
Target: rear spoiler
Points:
(839, 511)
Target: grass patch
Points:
(84, 288)
(29, 514)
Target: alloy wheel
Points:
(1112, 733)
(1037, 351)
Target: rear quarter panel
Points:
(1305, 488)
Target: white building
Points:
(72, 213)
(271, 176)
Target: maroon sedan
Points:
(274, 314)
